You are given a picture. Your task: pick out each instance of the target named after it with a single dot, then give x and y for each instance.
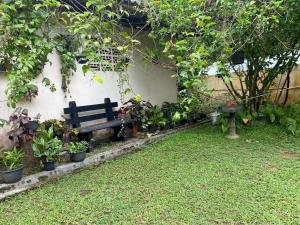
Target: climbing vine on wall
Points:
(31, 30)
(24, 46)
(67, 47)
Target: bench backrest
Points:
(75, 119)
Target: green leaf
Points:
(98, 79)
(127, 90)
(46, 81)
(176, 117)
(107, 40)
(85, 68)
(227, 79)
(137, 98)
(88, 4)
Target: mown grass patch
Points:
(193, 177)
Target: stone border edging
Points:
(40, 178)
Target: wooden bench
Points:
(89, 113)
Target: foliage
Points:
(224, 122)
(21, 126)
(136, 107)
(154, 117)
(215, 178)
(198, 100)
(194, 99)
(198, 34)
(31, 30)
(58, 127)
(67, 46)
(24, 45)
(2, 122)
(286, 116)
(242, 118)
(75, 147)
(172, 113)
(61, 130)
(46, 146)
(12, 159)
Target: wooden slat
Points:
(93, 117)
(100, 126)
(91, 107)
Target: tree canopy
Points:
(194, 34)
(197, 34)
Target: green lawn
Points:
(193, 177)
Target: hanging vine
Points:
(29, 33)
(67, 47)
(25, 46)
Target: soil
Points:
(289, 155)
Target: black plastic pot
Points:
(33, 125)
(12, 176)
(48, 166)
(153, 129)
(78, 156)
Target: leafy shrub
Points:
(61, 130)
(58, 127)
(136, 108)
(172, 113)
(46, 146)
(21, 126)
(243, 118)
(287, 116)
(154, 117)
(12, 159)
(75, 147)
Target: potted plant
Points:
(23, 128)
(78, 150)
(154, 119)
(135, 108)
(172, 113)
(47, 147)
(12, 160)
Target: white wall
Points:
(153, 83)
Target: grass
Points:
(193, 177)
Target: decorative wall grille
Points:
(110, 59)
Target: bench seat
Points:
(105, 125)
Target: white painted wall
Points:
(153, 83)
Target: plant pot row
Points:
(76, 157)
(46, 147)
(47, 155)
(14, 175)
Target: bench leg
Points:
(118, 134)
